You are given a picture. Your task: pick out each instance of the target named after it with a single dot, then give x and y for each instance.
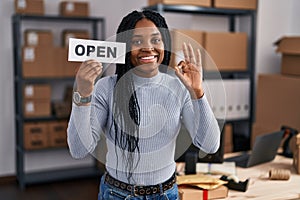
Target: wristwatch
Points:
(78, 99)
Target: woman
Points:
(140, 110)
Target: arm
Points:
(83, 133)
(202, 125)
(197, 114)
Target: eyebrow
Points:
(153, 34)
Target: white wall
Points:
(270, 26)
(275, 19)
(7, 130)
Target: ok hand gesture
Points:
(190, 72)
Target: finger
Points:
(180, 75)
(90, 71)
(86, 64)
(90, 65)
(181, 65)
(198, 58)
(199, 62)
(191, 54)
(185, 52)
(94, 70)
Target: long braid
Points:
(126, 110)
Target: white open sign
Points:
(103, 51)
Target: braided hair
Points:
(126, 110)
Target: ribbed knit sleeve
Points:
(202, 125)
(87, 123)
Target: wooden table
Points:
(262, 188)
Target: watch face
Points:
(76, 97)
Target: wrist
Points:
(198, 93)
(80, 100)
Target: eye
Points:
(136, 42)
(156, 40)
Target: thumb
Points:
(180, 75)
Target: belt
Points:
(140, 190)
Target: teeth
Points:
(147, 58)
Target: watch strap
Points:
(86, 99)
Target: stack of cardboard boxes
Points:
(37, 100)
(40, 135)
(226, 51)
(37, 135)
(278, 96)
(42, 59)
(226, 4)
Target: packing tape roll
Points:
(279, 174)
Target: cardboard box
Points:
(80, 34)
(290, 49)
(57, 133)
(33, 7)
(296, 160)
(62, 109)
(37, 91)
(68, 94)
(288, 45)
(190, 193)
(37, 62)
(74, 9)
(179, 36)
(236, 4)
(227, 50)
(38, 38)
(35, 135)
(66, 68)
(205, 3)
(290, 64)
(277, 101)
(37, 108)
(41, 62)
(228, 140)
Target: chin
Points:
(147, 69)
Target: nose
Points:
(147, 46)
(147, 49)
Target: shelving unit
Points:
(231, 14)
(24, 177)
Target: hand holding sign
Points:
(92, 52)
(86, 76)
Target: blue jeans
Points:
(108, 192)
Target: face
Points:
(147, 48)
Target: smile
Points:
(148, 58)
